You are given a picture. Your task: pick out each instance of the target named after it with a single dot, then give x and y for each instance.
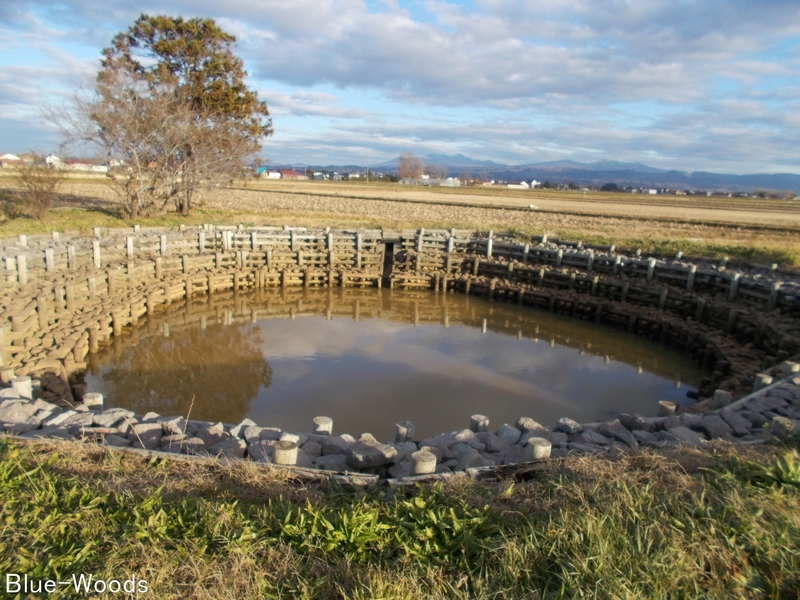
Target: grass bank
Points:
(686, 525)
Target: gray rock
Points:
(472, 458)
(439, 452)
(402, 468)
(404, 449)
(684, 436)
(461, 449)
(142, 431)
(50, 432)
(238, 430)
(567, 425)
(332, 462)
(172, 443)
(173, 426)
(528, 425)
(474, 442)
(362, 456)
(31, 424)
(312, 449)
(56, 420)
(691, 420)
(558, 438)
(252, 434)
(335, 445)
(739, 424)
(714, 427)
(17, 412)
(635, 422)
(773, 402)
(756, 405)
(213, 434)
(491, 442)
(193, 445)
(510, 435)
(445, 440)
(116, 441)
(585, 447)
(230, 448)
(644, 437)
(78, 421)
(151, 417)
(304, 460)
(615, 429)
(110, 417)
(515, 454)
(262, 451)
(151, 443)
(592, 437)
(757, 419)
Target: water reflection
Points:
(368, 358)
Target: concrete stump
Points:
(285, 453)
(404, 431)
(93, 401)
(666, 408)
(424, 462)
(539, 448)
(323, 425)
(23, 386)
(479, 423)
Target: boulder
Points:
(213, 434)
(528, 425)
(472, 458)
(402, 468)
(615, 429)
(50, 432)
(635, 422)
(16, 412)
(312, 449)
(173, 426)
(567, 425)
(738, 423)
(297, 438)
(491, 442)
(237, 430)
(110, 417)
(151, 417)
(510, 435)
(683, 436)
(335, 445)
(116, 441)
(645, 437)
(262, 451)
(332, 462)
(58, 419)
(714, 426)
(558, 438)
(445, 440)
(592, 437)
(232, 447)
(362, 456)
(515, 454)
(404, 449)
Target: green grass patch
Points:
(689, 526)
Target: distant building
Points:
(271, 174)
(10, 160)
(431, 182)
(292, 174)
(651, 192)
(522, 185)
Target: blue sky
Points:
(678, 84)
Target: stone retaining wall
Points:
(64, 295)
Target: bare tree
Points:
(409, 166)
(38, 183)
(437, 171)
(464, 177)
(170, 112)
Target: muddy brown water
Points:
(369, 358)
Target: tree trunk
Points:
(186, 204)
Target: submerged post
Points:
(285, 453)
(424, 462)
(479, 423)
(323, 425)
(404, 431)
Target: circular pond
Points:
(369, 358)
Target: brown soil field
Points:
(707, 226)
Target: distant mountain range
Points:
(597, 173)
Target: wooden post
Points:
(285, 453)
(49, 260)
(733, 287)
(23, 239)
(71, 262)
(774, 291)
(93, 401)
(479, 423)
(404, 431)
(70, 295)
(539, 448)
(96, 253)
(666, 408)
(651, 268)
(201, 241)
(129, 241)
(158, 267)
(22, 270)
(23, 386)
(617, 263)
(589, 260)
(559, 256)
(525, 252)
(41, 310)
(691, 276)
(163, 245)
(489, 244)
(662, 301)
(253, 241)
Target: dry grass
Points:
(687, 525)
